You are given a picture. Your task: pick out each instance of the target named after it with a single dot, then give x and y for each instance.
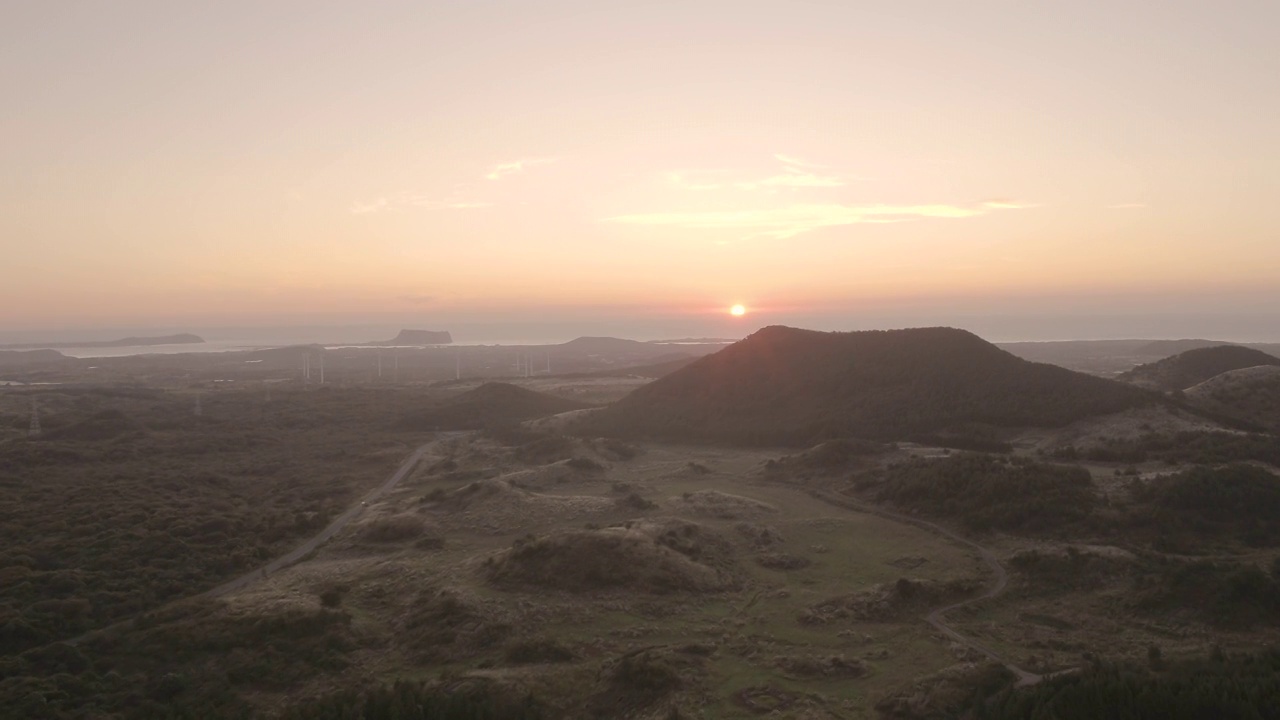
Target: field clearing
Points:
(748, 639)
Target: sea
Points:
(1224, 327)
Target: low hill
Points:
(489, 405)
(1193, 367)
(178, 339)
(1249, 394)
(787, 386)
(21, 358)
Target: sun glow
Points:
(738, 310)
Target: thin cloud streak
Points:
(797, 162)
(787, 222)
(502, 170)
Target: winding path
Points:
(340, 522)
(307, 547)
(937, 617)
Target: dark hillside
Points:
(787, 386)
(1193, 367)
(488, 405)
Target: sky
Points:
(270, 163)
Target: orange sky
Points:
(251, 161)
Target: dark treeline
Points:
(1187, 512)
(1208, 448)
(987, 492)
(1239, 687)
(1240, 502)
(416, 701)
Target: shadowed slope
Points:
(787, 386)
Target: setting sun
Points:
(738, 310)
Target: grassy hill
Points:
(1193, 367)
(488, 405)
(787, 386)
(1250, 394)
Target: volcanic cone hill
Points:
(489, 405)
(1193, 367)
(784, 386)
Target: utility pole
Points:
(457, 364)
(321, 368)
(34, 432)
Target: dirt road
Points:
(937, 617)
(334, 527)
(310, 545)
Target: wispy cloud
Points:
(1001, 204)
(787, 222)
(502, 170)
(797, 162)
(406, 199)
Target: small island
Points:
(416, 338)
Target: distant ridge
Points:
(416, 338)
(787, 386)
(178, 339)
(1195, 366)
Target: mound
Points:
(723, 506)
(887, 602)
(784, 386)
(495, 506)
(491, 404)
(1196, 366)
(607, 559)
(1250, 394)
